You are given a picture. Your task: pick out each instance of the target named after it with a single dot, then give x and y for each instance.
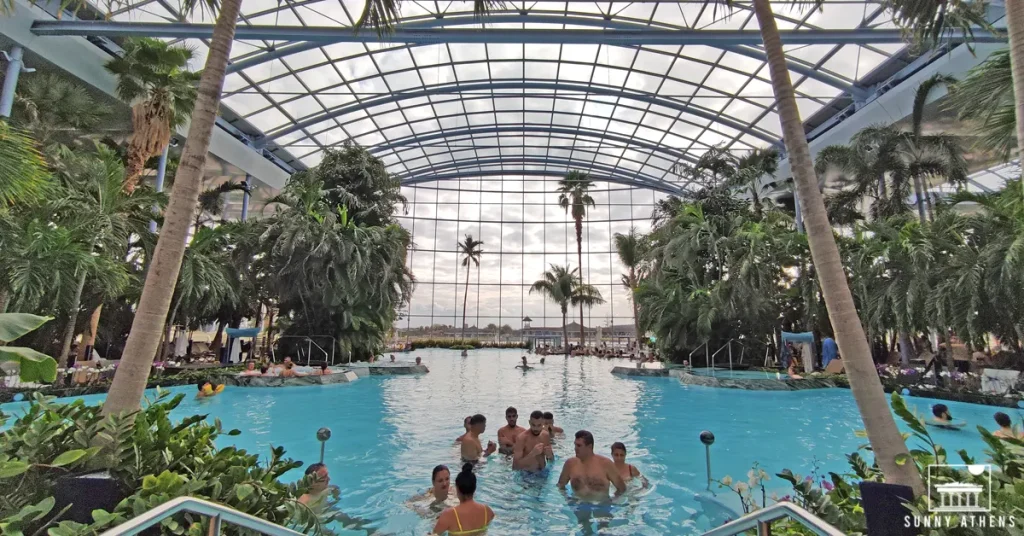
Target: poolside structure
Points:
(959, 497)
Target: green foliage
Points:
(152, 458)
(23, 173)
(157, 71)
(985, 98)
(33, 366)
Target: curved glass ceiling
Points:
(626, 113)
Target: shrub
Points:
(152, 459)
(468, 344)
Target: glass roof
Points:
(627, 113)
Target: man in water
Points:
(392, 356)
(542, 361)
(465, 424)
(472, 449)
(549, 423)
(525, 365)
(1006, 427)
(532, 450)
(591, 474)
(320, 486)
(507, 434)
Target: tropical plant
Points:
(23, 173)
(573, 192)
(153, 77)
(470, 250)
(631, 249)
(56, 111)
(750, 168)
(33, 366)
(564, 287)
(158, 289)
(985, 99)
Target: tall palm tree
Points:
(631, 248)
(564, 287)
(129, 382)
(749, 170)
(886, 441)
(57, 111)
(23, 173)
(985, 99)
(573, 192)
(470, 249)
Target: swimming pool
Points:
(389, 431)
(739, 374)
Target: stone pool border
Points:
(780, 384)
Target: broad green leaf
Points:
(13, 468)
(15, 325)
(70, 456)
(33, 366)
(243, 491)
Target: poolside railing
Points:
(218, 514)
(762, 520)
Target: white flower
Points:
(751, 475)
(727, 480)
(763, 474)
(775, 496)
(741, 487)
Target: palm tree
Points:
(129, 382)
(564, 287)
(631, 248)
(57, 111)
(886, 441)
(985, 98)
(23, 173)
(749, 170)
(153, 76)
(573, 191)
(470, 248)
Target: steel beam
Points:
(622, 179)
(348, 34)
(544, 85)
(642, 179)
(522, 128)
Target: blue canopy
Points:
(236, 333)
(797, 337)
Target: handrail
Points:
(217, 513)
(762, 520)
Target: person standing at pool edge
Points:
(469, 517)
(507, 434)
(532, 450)
(472, 449)
(591, 474)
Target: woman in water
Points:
(469, 517)
(628, 471)
(440, 491)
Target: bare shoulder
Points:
(571, 462)
(633, 470)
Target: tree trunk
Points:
(886, 441)
(636, 310)
(89, 341)
(465, 297)
(579, 257)
(565, 330)
(927, 200)
(920, 198)
(1015, 30)
(906, 349)
(218, 342)
(5, 298)
(69, 331)
(268, 339)
(883, 194)
(168, 333)
(130, 380)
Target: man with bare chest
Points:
(532, 450)
(591, 475)
(507, 434)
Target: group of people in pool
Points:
(942, 418)
(285, 369)
(590, 475)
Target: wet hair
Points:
(587, 437)
(465, 482)
(549, 416)
(618, 446)
(289, 365)
(314, 467)
(477, 419)
(537, 415)
(939, 409)
(263, 369)
(511, 409)
(438, 469)
(201, 383)
(323, 366)
(1003, 419)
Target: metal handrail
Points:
(217, 513)
(763, 519)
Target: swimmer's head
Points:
(1003, 419)
(263, 369)
(465, 422)
(941, 411)
(511, 416)
(287, 359)
(441, 478)
(465, 483)
(320, 477)
(619, 452)
(524, 359)
(419, 360)
(288, 365)
(536, 423)
(392, 356)
(478, 423)
(323, 366)
(584, 444)
(549, 418)
(250, 365)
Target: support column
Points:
(15, 66)
(161, 171)
(245, 197)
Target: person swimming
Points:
(250, 369)
(549, 423)
(320, 484)
(943, 419)
(289, 370)
(469, 517)
(532, 450)
(591, 475)
(524, 365)
(465, 424)
(1006, 427)
(440, 491)
(507, 434)
(627, 471)
(207, 389)
(542, 361)
(472, 449)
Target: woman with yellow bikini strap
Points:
(469, 517)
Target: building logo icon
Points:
(960, 497)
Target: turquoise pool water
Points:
(390, 431)
(739, 374)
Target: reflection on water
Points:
(389, 433)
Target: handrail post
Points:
(214, 526)
(764, 528)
